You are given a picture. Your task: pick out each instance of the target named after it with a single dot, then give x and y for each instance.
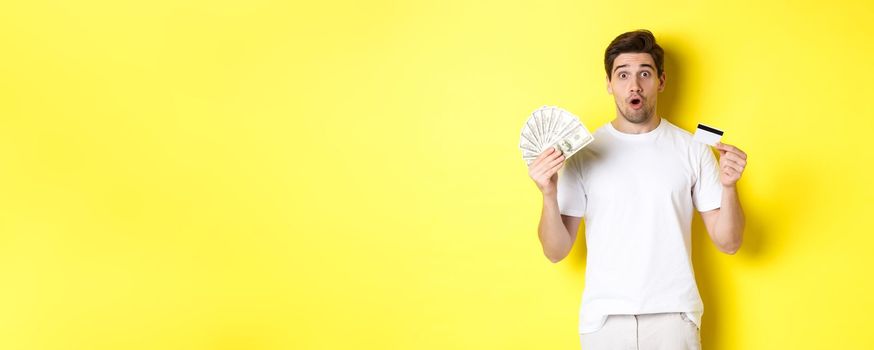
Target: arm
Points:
(557, 232)
(726, 224)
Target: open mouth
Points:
(636, 103)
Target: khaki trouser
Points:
(663, 331)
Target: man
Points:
(636, 186)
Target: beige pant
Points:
(664, 331)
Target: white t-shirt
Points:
(636, 192)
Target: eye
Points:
(644, 74)
(623, 75)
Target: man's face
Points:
(635, 86)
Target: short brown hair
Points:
(638, 41)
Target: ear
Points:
(609, 88)
(662, 82)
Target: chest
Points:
(640, 174)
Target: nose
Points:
(635, 86)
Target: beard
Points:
(640, 116)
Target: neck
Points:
(622, 125)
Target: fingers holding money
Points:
(549, 157)
(543, 169)
(554, 168)
(555, 162)
(548, 152)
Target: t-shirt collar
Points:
(644, 136)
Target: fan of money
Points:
(552, 126)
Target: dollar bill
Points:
(573, 141)
(551, 126)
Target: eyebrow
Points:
(626, 65)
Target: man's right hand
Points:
(544, 170)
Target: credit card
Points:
(707, 134)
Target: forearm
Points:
(553, 234)
(730, 223)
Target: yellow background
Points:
(345, 175)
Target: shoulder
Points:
(696, 153)
(684, 139)
(677, 132)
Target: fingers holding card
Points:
(732, 161)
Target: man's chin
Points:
(636, 117)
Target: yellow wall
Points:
(345, 175)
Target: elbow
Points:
(730, 249)
(554, 258)
(729, 243)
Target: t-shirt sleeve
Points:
(571, 194)
(707, 191)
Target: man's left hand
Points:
(732, 162)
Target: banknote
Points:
(573, 141)
(551, 126)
